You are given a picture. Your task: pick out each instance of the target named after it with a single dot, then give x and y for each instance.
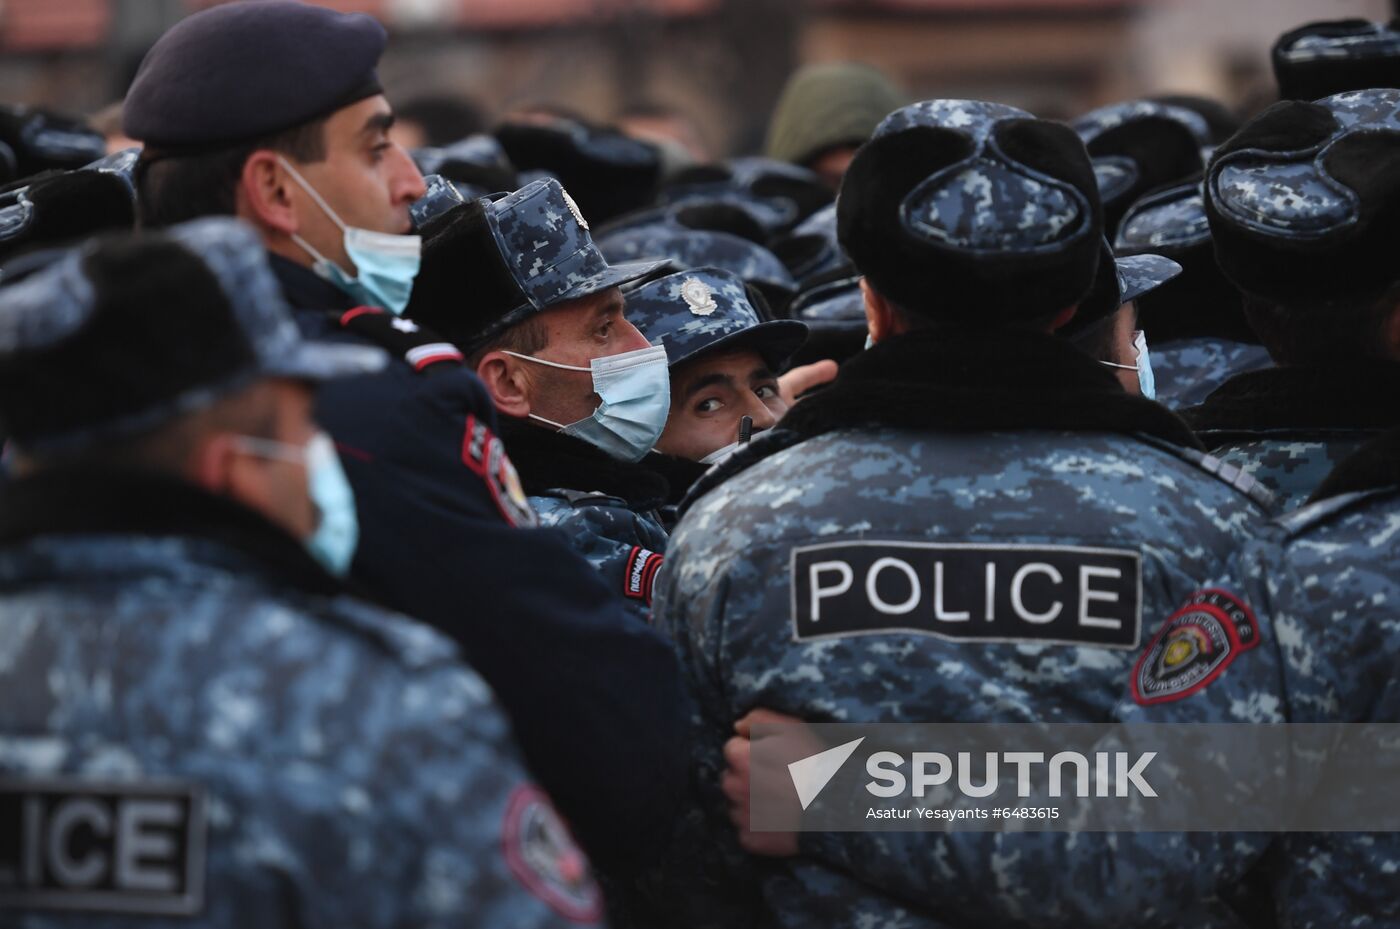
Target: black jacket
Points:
(594, 695)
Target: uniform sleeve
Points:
(482, 844)
(594, 696)
(705, 878)
(1075, 879)
(626, 548)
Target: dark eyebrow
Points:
(614, 304)
(379, 122)
(709, 380)
(762, 373)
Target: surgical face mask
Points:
(385, 264)
(338, 531)
(636, 391)
(1147, 383)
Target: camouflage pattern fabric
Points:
(625, 546)
(354, 773)
(1188, 370)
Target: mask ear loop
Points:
(321, 203)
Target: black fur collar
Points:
(679, 473)
(92, 501)
(964, 382)
(981, 382)
(1361, 395)
(547, 460)
(1376, 464)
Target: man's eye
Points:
(767, 392)
(379, 151)
(605, 331)
(711, 405)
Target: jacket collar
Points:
(1371, 467)
(307, 290)
(103, 501)
(679, 473)
(547, 460)
(964, 382)
(981, 382)
(1357, 396)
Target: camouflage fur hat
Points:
(976, 213)
(1304, 201)
(1326, 58)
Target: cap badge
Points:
(698, 296)
(573, 208)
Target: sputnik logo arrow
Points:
(813, 773)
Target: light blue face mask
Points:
(636, 391)
(385, 264)
(338, 531)
(1147, 382)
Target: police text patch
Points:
(976, 592)
(114, 848)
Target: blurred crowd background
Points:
(709, 71)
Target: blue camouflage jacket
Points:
(608, 509)
(960, 529)
(1288, 427)
(195, 721)
(1189, 370)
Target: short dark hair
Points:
(1338, 330)
(525, 338)
(173, 188)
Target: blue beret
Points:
(244, 70)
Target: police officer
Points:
(969, 466)
(1200, 336)
(1304, 228)
(295, 143)
(724, 359)
(197, 718)
(519, 285)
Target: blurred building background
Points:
(721, 61)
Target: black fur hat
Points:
(33, 140)
(1304, 201)
(1326, 58)
(61, 207)
(976, 213)
(606, 172)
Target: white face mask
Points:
(385, 264)
(1147, 382)
(636, 391)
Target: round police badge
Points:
(1193, 647)
(698, 296)
(573, 208)
(543, 856)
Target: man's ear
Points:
(879, 313)
(265, 195)
(1063, 317)
(507, 382)
(212, 462)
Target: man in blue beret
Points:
(272, 111)
(200, 724)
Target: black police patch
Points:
(975, 592)
(98, 847)
(1194, 647)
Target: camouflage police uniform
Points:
(198, 721)
(1286, 225)
(787, 586)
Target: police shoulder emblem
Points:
(573, 208)
(1193, 647)
(698, 296)
(542, 856)
(483, 453)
